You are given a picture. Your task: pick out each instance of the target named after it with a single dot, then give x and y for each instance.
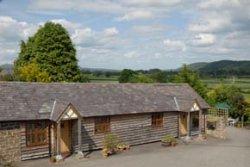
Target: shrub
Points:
(122, 146)
(168, 138)
(110, 142)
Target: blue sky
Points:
(137, 34)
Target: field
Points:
(242, 83)
(104, 79)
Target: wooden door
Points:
(65, 137)
(183, 124)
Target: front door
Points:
(65, 137)
(183, 124)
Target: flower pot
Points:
(173, 144)
(165, 144)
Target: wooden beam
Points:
(188, 124)
(200, 121)
(58, 139)
(79, 121)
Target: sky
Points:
(136, 34)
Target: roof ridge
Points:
(88, 83)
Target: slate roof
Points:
(31, 101)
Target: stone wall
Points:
(131, 129)
(220, 128)
(10, 137)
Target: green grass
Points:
(104, 79)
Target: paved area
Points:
(232, 152)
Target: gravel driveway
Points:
(232, 152)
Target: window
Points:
(157, 119)
(102, 124)
(36, 134)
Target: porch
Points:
(191, 123)
(65, 134)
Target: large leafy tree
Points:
(50, 53)
(141, 78)
(186, 75)
(130, 76)
(126, 75)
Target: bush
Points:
(168, 138)
(171, 140)
(122, 146)
(110, 141)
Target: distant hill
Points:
(7, 68)
(223, 68)
(197, 66)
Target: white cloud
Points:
(204, 39)
(134, 15)
(83, 36)
(146, 29)
(211, 23)
(112, 31)
(218, 3)
(174, 45)
(130, 55)
(67, 24)
(11, 32)
(150, 3)
(102, 6)
(12, 29)
(8, 52)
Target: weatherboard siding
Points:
(131, 129)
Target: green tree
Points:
(141, 78)
(186, 75)
(31, 73)
(126, 75)
(232, 96)
(159, 76)
(53, 52)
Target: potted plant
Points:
(53, 159)
(110, 145)
(122, 147)
(167, 140)
(174, 142)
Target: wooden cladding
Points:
(157, 120)
(102, 124)
(36, 134)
